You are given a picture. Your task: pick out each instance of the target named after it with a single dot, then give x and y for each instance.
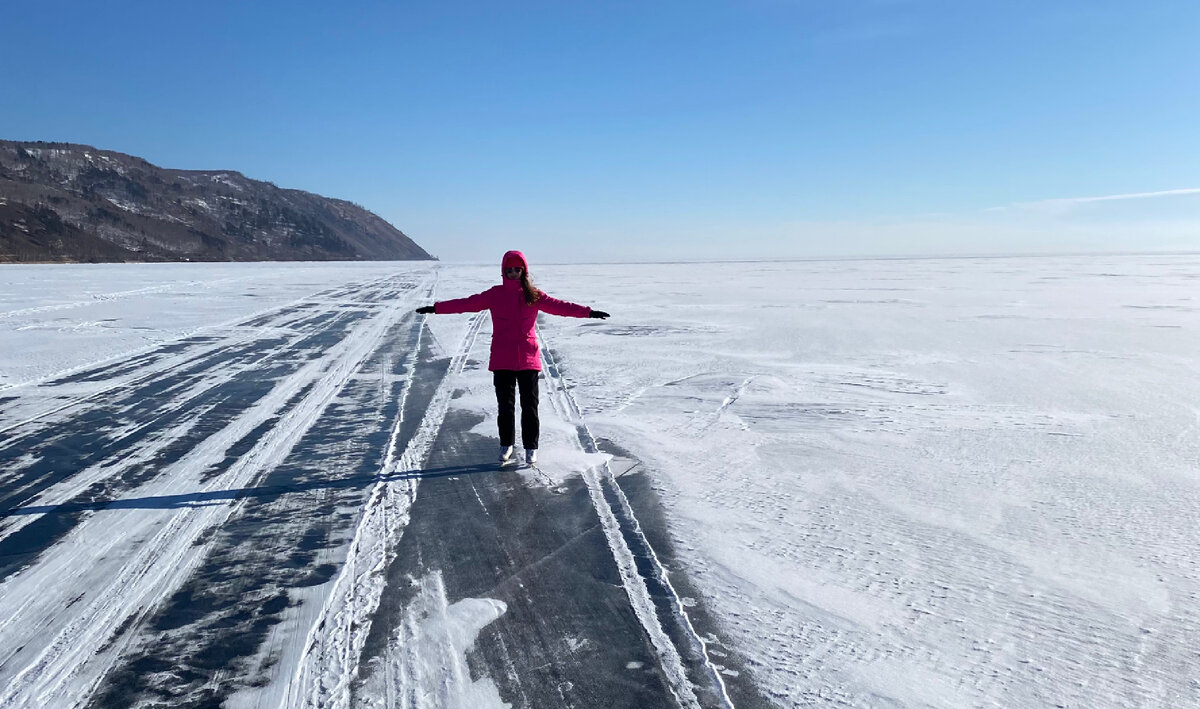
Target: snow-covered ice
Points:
(950, 483)
(892, 483)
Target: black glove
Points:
(425, 310)
(598, 314)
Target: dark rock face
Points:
(63, 202)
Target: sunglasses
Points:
(513, 269)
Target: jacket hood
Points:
(514, 256)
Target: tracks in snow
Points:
(334, 646)
(130, 369)
(189, 392)
(179, 441)
(67, 617)
(691, 674)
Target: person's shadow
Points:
(220, 497)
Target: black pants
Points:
(506, 381)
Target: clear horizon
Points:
(760, 129)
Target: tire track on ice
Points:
(621, 528)
(334, 645)
(233, 632)
(87, 461)
(62, 663)
(187, 411)
(249, 321)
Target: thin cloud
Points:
(1067, 203)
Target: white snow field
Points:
(918, 483)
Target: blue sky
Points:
(583, 131)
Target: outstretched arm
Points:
(470, 304)
(554, 306)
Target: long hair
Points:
(532, 294)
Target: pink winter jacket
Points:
(514, 342)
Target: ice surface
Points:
(919, 483)
(908, 483)
(55, 318)
(156, 548)
(428, 653)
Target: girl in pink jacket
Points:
(516, 357)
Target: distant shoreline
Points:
(823, 259)
(133, 263)
(673, 262)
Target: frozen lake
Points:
(876, 483)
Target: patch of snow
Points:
(124, 205)
(227, 180)
(428, 653)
